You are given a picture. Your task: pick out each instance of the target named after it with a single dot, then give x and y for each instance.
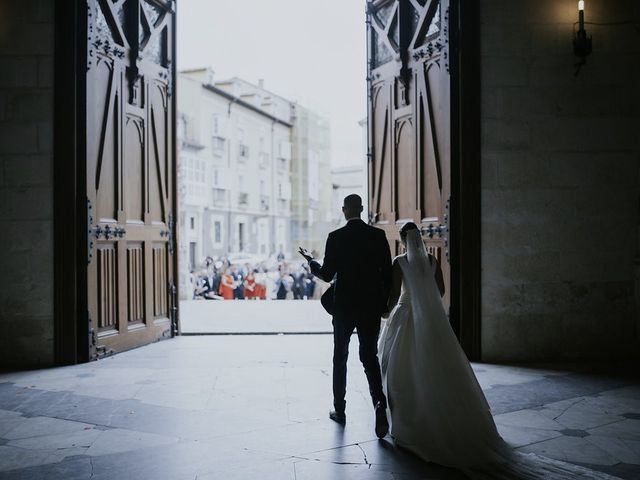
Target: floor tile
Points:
(518, 436)
(257, 407)
(36, 426)
(571, 449)
(624, 450)
(624, 429)
(528, 418)
(12, 458)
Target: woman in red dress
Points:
(250, 287)
(227, 285)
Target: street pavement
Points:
(253, 316)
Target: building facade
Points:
(346, 181)
(349, 179)
(311, 198)
(234, 170)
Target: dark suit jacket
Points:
(358, 256)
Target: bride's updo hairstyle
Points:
(406, 228)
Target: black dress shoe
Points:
(382, 424)
(339, 417)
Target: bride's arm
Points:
(396, 285)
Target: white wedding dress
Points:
(438, 410)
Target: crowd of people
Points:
(223, 280)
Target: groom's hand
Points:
(305, 253)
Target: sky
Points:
(309, 51)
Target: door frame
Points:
(72, 331)
(465, 231)
(71, 326)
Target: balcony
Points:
(189, 143)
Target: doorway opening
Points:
(269, 135)
(140, 157)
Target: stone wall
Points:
(26, 182)
(560, 186)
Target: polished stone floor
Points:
(255, 407)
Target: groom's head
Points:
(352, 206)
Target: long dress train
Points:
(438, 409)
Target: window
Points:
(219, 125)
(241, 237)
(192, 223)
(217, 145)
(192, 255)
(243, 152)
(219, 196)
(182, 126)
(284, 149)
(217, 232)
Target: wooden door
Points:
(130, 172)
(410, 121)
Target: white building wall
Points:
(346, 181)
(235, 175)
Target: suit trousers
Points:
(343, 327)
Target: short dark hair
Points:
(353, 201)
(407, 227)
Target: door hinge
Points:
(92, 338)
(170, 233)
(173, 308)
(90, 231)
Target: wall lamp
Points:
(581, 42)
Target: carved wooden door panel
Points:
(410, 121)
(130, 172)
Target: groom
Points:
(358, 257)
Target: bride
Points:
(438, 410)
